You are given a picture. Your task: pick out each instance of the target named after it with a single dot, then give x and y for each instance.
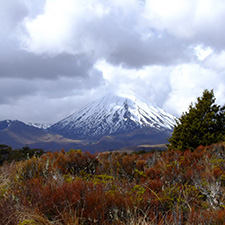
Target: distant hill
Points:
(18, 134)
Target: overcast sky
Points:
(58, 55)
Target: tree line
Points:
(7, 154)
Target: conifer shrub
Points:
(203, 124)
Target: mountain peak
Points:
(124, 95)
(7, 123)
(113, 114)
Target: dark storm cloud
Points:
(154, 51)
(23, 64)
(13, 89)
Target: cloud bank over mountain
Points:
(57, 55)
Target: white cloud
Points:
(74, 51)
(198, 21)
(172, 88)
(113, 31)
(202, 52)
(216, 61)
(188, 81)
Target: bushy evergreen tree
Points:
(203, 124)
(7, 154)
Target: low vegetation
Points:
(75, 187)
(7, 154)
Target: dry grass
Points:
(25, 218)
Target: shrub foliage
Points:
(172, 187)
(7, 154)
(203, 124)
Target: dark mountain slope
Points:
(18, 134)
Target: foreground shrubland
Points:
(171, 187)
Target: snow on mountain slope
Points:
(6, 123)
(39, 125)
(113, 114)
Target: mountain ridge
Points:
(113, 122)
(111, 115)
(18, 134)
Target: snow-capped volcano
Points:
(114, 114)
